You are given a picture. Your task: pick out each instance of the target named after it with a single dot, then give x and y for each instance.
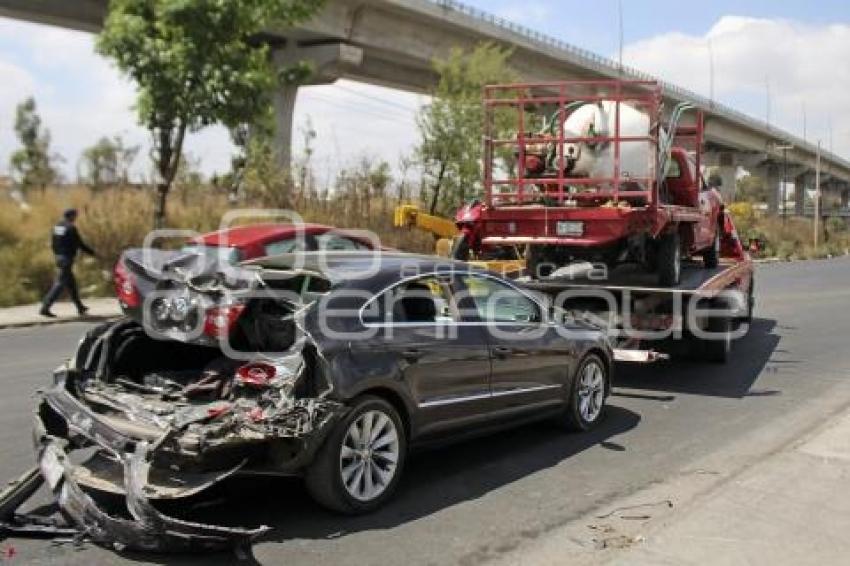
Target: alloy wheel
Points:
(369, 456)
(591, 391)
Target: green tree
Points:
(196, 63)
(32, 164)
(751, 188)
(106, 163)
(451, 126)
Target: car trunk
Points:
(220, 379)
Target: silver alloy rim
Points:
(591, 392)
(369, 455)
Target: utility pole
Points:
(710, 73)
(817, 195)
(620, 15)
(804, 122)
(784, 192)
(767, 100)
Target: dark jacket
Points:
(67, 241)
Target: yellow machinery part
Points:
(410, 216)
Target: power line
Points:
(377, 99)
(373, 112)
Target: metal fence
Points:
(611, 67)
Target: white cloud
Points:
(15, 80)
(526, 13)
(805, 66)
(82, 97)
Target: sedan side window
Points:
(496, 302)
(334, 242)
(422, 301)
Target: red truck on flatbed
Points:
(602, 180)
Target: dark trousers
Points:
(64, 280)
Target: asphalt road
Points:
(469, 502)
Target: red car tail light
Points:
(256, 375)
(219, 321)
(125, 285)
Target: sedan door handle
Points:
(412, 355)
(502, 352)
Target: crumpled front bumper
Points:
(60, 422)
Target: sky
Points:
(799, 52)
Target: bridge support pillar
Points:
(773, 182)
(728, 171)
(284, 114)
(326, 63)
(800, 186)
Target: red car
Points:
(258, 240)
(242, 243)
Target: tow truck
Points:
(612, 247)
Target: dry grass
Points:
(113, 220)
(791, 238)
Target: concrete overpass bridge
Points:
(392, 43)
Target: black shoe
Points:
(82, 311)
(47, 313)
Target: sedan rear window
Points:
(334, 242)
(215, 253)
(286, 246)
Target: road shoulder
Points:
(27, 315)
(746, 504)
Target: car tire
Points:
(337, 477)
(538, 264)
(460, 248)
(718, 351)
(751, 305)
(669, 258)
(590, 386)
(711, 256)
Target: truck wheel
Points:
(718, 349)
(358, 467)
(711, 256)
(460, 248)
(536, 263)
(669, 260)
(750, 302)
(586, 405)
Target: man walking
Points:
(66, 243)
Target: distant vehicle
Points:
(251, 241)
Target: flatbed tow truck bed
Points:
(698, 318)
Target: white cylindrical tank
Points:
(597, 160)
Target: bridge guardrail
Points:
(612, 66)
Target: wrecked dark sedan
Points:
(326, 365)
